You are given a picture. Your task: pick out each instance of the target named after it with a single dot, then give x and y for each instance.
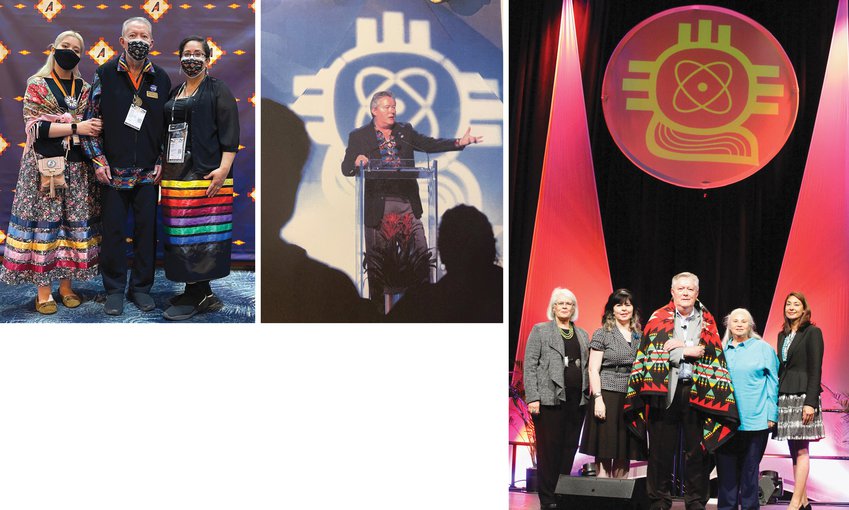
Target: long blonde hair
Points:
(47, 68)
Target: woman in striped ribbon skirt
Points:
(54, 234)
(197, 184)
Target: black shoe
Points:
(181, 312)
(213, 303)
(176, 298)
(142, 300)
(114, 304)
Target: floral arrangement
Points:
(842, 400)
(399, 265)
(520, 413)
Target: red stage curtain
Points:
(568, 244)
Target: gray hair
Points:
(562, 291)
(137, 19)
(752, 332)
(686, 275)
(376, 97)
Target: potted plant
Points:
(522, 426)
(842, 400)
(399, 265)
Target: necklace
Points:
(70, 99)
(567, 334)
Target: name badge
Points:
(177, 134)
(135, 117)
(154, 95)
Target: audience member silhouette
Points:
(295, 288)
(471, 290)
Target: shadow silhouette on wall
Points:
(295, 287)
(472, 288)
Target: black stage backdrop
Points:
(732, 237)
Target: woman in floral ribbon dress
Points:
(55, 236)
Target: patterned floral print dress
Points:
(51, 238)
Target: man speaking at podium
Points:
(393, 143)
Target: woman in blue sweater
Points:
(754, 374)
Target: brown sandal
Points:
(47, 308)
(71, 300)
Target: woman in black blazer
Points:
(800, 351)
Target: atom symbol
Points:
(402, 80)
(703, 76)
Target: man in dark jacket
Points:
(393, 143)
(129, 94)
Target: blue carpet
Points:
(17, 302)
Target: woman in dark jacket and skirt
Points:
(197, 184)
(800, 351)
(612, 351)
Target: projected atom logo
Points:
(431, 93)
(708, 78)
(418, 87)
(700, 96)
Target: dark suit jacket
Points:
(364, 141)
(802, 372)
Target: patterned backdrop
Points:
(28, 28)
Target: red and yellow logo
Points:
(49, 8)
(101, 52)
(156, 8)
(700, 96)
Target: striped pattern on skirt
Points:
(198, 230)
(790, 424)
(50, 238)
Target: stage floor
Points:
(524, 501)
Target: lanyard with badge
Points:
(135, 117)
(71, 101)
(178, 132)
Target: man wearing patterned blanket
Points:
(680, 387)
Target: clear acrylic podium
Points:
(426, 178)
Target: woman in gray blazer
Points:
(555, 375)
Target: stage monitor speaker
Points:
(770, 487)
(577, 492)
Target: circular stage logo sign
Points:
(700, 96)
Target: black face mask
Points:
(138, 49)
(191, 66)
(66, 59)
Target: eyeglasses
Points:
(196, 54)
(564, 303)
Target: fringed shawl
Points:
(41, 105)
(711, 392)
